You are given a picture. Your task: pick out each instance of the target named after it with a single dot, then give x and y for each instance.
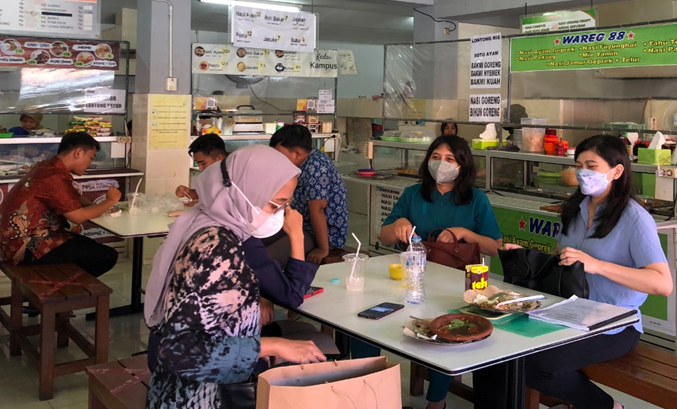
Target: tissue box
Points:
(484, 143)
(653, 156)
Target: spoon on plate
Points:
(523, 299)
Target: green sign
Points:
(527, 230)
(539, 232)
(558, 20)
(623, 47)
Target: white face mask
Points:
(442, 171)
(263, 224)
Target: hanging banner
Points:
(226, 59)
(485, 64)
(50, 53)
(62, 18)
(281, 30)
(624, 47)
(485, 108)
(559, 21)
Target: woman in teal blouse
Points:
(445, 198)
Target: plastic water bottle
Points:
(416, 262)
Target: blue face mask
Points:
(592, 183)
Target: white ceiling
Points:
(354, 21)
(375, 21)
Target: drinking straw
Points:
(357, 256)
(411, 235)
(136, 192)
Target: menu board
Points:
(62, 18)
(264, 28)
(621, 47)
(226, 59)
(50, 53)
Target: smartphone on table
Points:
(312, 291)
(379, 311)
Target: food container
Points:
(395, 271)
(533, 138)
(417, 137)
(476, 277)
(366, 172)
(248, 120)
(247, 114)
(569, 176)
(391, 136)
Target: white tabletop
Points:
(444, 287)
(135, 225)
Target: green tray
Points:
(6, 135)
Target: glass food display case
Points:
(71, 85)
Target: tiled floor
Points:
(128, 334)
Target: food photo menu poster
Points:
(50, 53)
(226, 59)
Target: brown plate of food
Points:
(496, 300)
(419, 329)
(461, 327)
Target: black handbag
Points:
(239, 395)
(539, 271)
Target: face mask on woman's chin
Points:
(263, 224)
(443, 172)
(592, 183)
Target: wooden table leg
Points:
(47, 339)
(15, 318)
(62, 319)
(101, 329)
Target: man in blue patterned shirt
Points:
(320, 194)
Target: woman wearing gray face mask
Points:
(445, 198)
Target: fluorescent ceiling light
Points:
(267, 6)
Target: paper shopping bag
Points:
(367, 383)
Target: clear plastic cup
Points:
(356, 267)
(137, 200)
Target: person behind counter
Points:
(35, 213)
(205, 150)
(615, 238)
(320, 196)
(29, 122)
(445, 198)
(202, 297)
(449, 128)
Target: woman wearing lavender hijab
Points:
(202, 298)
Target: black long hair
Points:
(613, 151)
(467, 174)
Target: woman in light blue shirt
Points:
(604, 228)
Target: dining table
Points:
(136, 227)
(337, 307)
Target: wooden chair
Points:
(119, 385)
(55, 290)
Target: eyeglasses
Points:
(280, 207)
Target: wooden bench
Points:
(55, 290)
(119, 385)
(647, 373)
